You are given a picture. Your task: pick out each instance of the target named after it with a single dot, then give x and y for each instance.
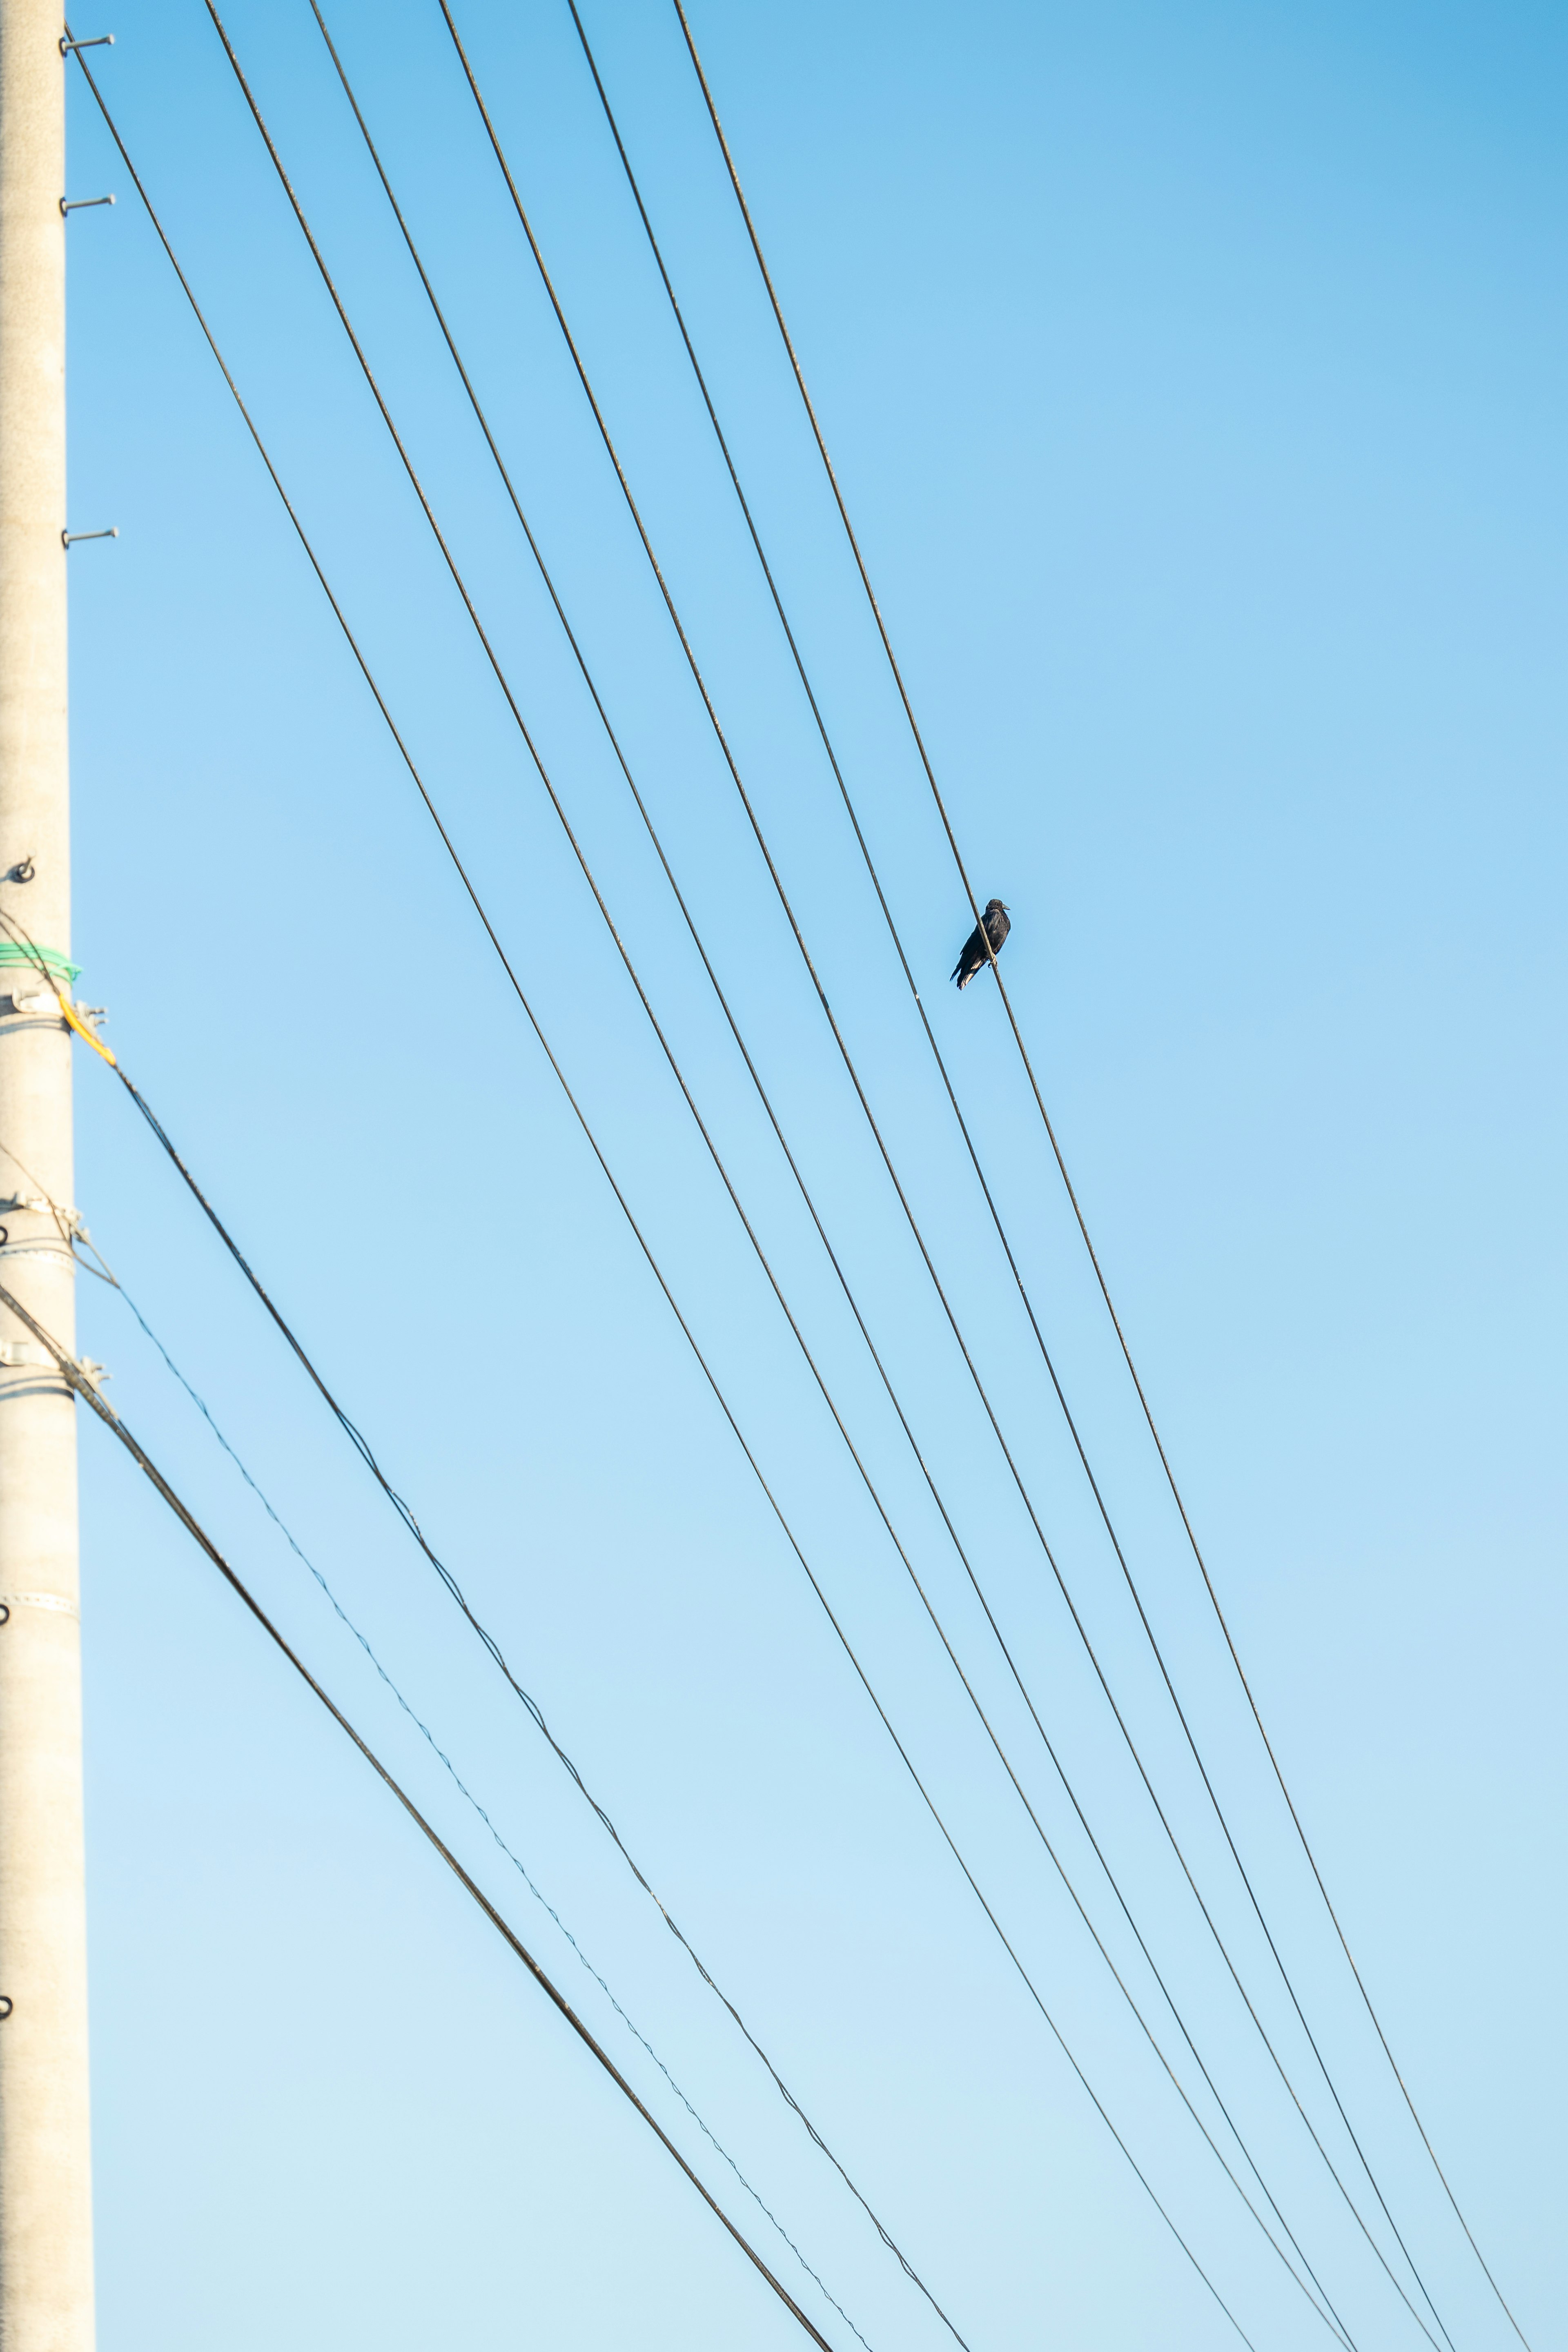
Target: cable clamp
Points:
(71, 1219)
(83, 1019)
(25, 1355)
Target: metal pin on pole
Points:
(69, 538)
(99, 41)
(82, 204)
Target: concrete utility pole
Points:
(45, 2211)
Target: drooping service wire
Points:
(70, 1373)
(479, 1809)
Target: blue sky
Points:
(1195, 379)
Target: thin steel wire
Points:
(71, 1375)
(348, 1425)
(474, 1803)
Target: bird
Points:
(975, 958)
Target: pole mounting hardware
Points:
(21, 1354)
(82, 204)
(70, 1218)
(22, 870)
(69, 538)
(99, 41)
(25, 1355)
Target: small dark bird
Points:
(975, 958)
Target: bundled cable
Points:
(71, 1373)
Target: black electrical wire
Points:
(356, 1436)
(72, 1374)
(151, 1116)
(718, 1163)
(974, 909)
(474, 1803)
(643, 812)
(530, 1704)
(523, 727)
(844, 1052)
(348, 1425)
(538, 763)
(106, 1274)
(1061, 1165)
(501, 680)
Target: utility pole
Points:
(45, 2210)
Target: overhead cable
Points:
(474, 1803)
(1056, 1153)
(525, 731)
(487, 1639)
(71, 1372)
(169, 1147)
(643, 812)
(728, 754)
(526, 734)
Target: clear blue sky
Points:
(1197, 377)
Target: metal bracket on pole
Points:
(70, 1221)
(77, 1372)
(99, 41)
(80, 1371)
(69, 538)
(83, 203)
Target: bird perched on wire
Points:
(975, 958)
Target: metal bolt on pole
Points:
(45, 2213)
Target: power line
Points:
(534, 1711)
(642, 810)
(523, 730)
(151, 1116)
(71, 1373)
(1078, 1211)
(106, 1274)
(1056, 1153)
(350, 1431)
(533, 753)
(462, 1786)
(931, 1268)
(530, 1704)
(348, 1425)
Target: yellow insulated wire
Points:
(74, 1021)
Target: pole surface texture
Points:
(45, 2211)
